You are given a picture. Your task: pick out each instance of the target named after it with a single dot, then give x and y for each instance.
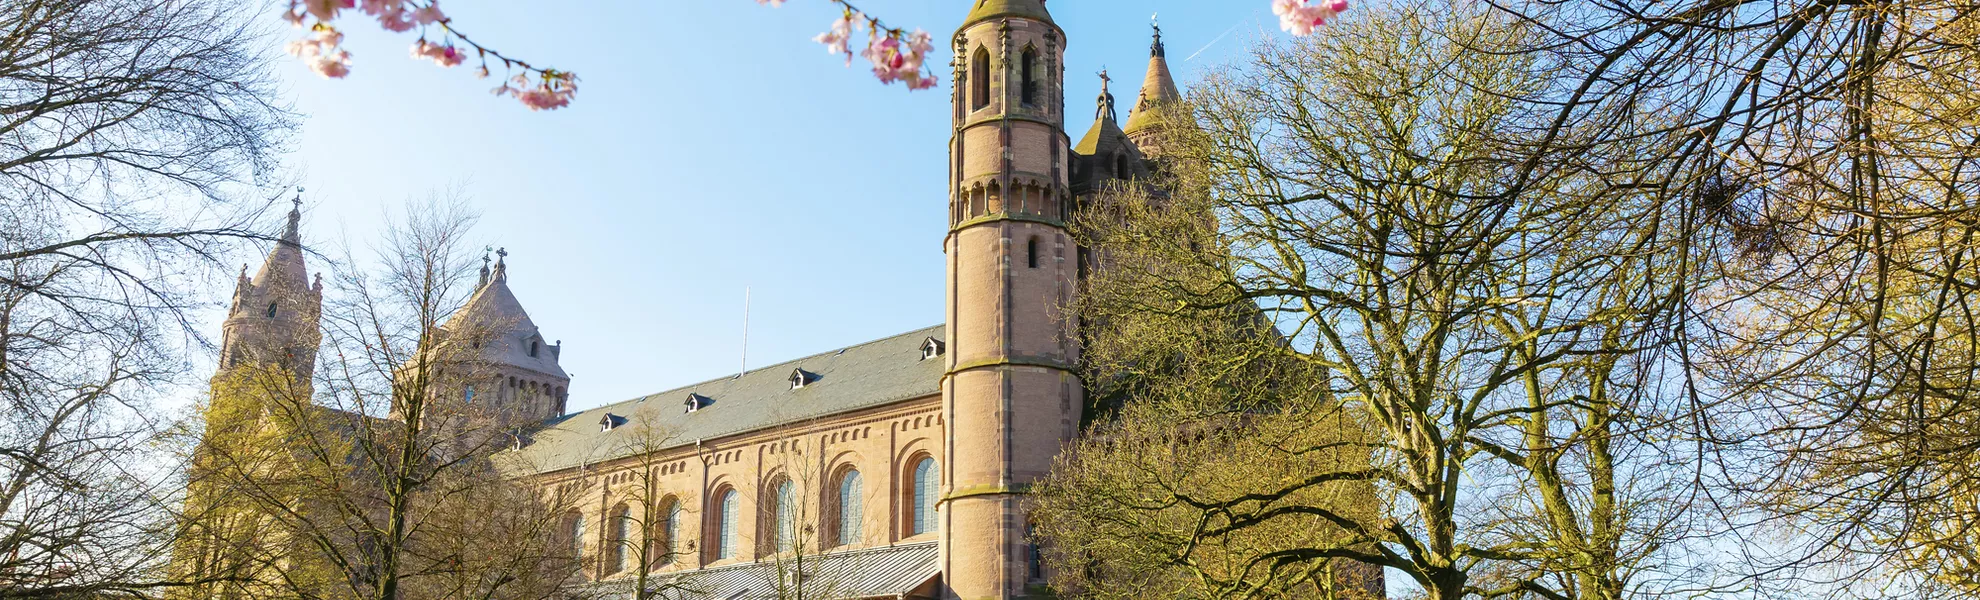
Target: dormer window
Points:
(610, 421)
(799, 378)
(534, 347)
(931, 348)
(697, 402)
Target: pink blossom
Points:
(294, 18)
(443, 55)
(326, 10)
(321, 54)
(429, 14)
(1300, 18)
(381, 7)
(396, 20)
(836, 38)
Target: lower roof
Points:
(868, 375)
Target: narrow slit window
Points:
(1029, 66)
(1031, 252)
(271, 310)
(979, 80)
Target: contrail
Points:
(1220, 37)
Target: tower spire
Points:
(292, 232)
(1158, 90)
(1106, 100)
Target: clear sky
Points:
(712, 146)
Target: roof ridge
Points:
(698, 384)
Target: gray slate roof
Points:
(495, 306)
(867, 375)
(869, 573)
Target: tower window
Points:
(1029, 66)
(1121, 166)
(271, 310)
(1031, 252)
(468, 395)
(533, 347)
(979, 80)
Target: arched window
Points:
(533, 347)
(662, 546)
(271, 310)
(852, 509)
(783, 515)
(1121, 166)
(925, 491)
(979, 80)
(1031, 252)
(618, 532)
(574, 529)
(1029, 66)
(725, 526)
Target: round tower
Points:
(1010, 394)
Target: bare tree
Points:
(1456, 398)
(1826, 151)
(128, 128)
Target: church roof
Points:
(990, 9)
(495, 306)
(868, 375)
(1104, 138)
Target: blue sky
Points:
(712, 146)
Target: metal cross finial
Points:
(1104, 79)
(502, 252)
(298, 199)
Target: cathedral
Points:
(900, 465)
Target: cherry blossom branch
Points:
(896, 54)
(536, 87)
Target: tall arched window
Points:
(574, 528)
(271, 310)
(725, 526)
(1031, 252)
(1029, 77)
(925, 495)
(783, 514)
(618, 531)
(979, 80)
(665, 529)
(851, 508)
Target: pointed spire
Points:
(1157, 90)
(484, 269)
(292, 233)
(1157, 51)
(1106, 100)
(501, 274)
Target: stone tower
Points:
(1009, 393)
(509, 366)
(273, 320)
(1158, 92)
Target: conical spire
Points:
(494, 311)
(1157, 89)
(285, 266)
